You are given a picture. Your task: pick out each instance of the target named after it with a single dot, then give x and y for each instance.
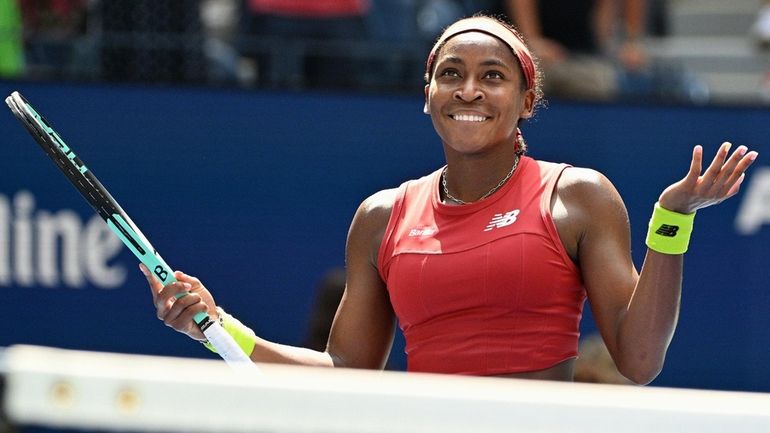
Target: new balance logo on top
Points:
(501, 220)
(667, 230)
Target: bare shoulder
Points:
(586, 188)
(584, 198)
(586, 206)
(378, 205)
(582, 180)
(369, 224)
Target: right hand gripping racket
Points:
(100, 199)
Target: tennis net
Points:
(66, 389)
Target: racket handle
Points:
(225, 345)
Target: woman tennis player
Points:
(487, 261)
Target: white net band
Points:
(89, 390)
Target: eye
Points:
(449, 72)
(494, 74)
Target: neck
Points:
(463, 184)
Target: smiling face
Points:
(476, 94)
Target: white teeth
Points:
(468, 118)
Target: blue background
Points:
(253, 193)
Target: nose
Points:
(469, 91)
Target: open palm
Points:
(721, 180)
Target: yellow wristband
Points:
(669, 232)
(242, 334)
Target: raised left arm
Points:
(637, 313)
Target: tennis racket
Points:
(118, 221)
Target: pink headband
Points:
(494, 28)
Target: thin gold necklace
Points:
(490, 192)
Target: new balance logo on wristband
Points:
(667, 230)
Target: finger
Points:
(179, 306)
(742, 163)
(735, 187)
(727, 176)
(181, 276)
(170, 294)
(188, 287)
(178, 274)
(716, 164)
(696, 165)
(184, 321)
(747, 160)
(155, 285)
(740, 171)
(730, 171)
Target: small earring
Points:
(425, 109)
(520, 143)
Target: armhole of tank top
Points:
(554, 174)
(395, 212)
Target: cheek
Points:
(438, 127)
(433, 103)
(518, 110)
(431, 93)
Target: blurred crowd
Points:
(588, 49)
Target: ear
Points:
(426, 108)
(528, 106)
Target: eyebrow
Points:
(488, 62)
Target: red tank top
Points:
(485, 288)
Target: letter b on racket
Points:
(161, 273)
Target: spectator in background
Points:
(51, 29)
(577, 45)
(225, 65)
(151, 41)
(11, 49)
(761, 28)
(276, 33)
(63, 17)
(327, 299)
(409, 28)
(761, 33)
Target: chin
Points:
(468, 148)
(469, 144)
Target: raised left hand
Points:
(721, 180)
